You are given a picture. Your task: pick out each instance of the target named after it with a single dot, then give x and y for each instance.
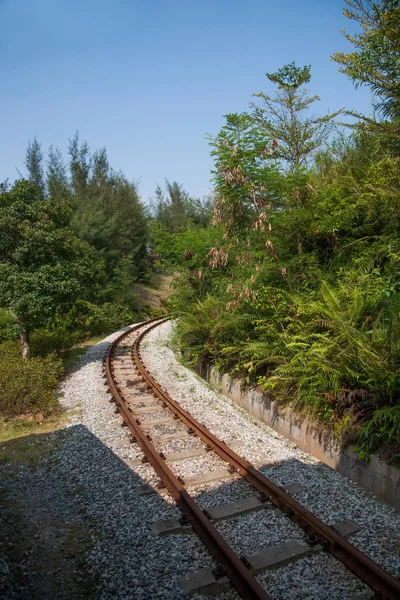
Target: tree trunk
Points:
(25, 343)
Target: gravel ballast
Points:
(92, 482)
(328, 494)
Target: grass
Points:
(26, 441)
(23, 440)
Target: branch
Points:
(367, 237)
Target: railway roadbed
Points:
(132, 540)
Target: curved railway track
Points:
(136, 393)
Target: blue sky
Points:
(149, 79)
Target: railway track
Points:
(143, 406)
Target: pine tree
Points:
(174, 208)
(375, 60)
(107, 210)
(129, 225)
(80, 165)
(34, 164)
(56, 177)
(100, 170)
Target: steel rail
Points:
(240, 576)
(318, 532)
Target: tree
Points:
(170, 206)
(375, 60)
(246, 175)
(128, 225)
(44, 268)
(80, 165)
(56, 176)
(174, 208)
(100, 170)
(34, 164)
(107, 210)
(284, 116)
(199, 210)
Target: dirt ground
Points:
(42, 537)
(156, 292)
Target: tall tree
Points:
(178, 199)
(284, 117)
(44, 267)
(56, 176)
(34, 164)
(128, 225)
(80, 165)
(107, 211)
(175, 207)
(375, 60)
(89, 180)
(101, 170)
(169, 206)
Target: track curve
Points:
(230, 564)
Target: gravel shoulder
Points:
(93, 531)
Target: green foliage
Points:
(43, 267)
(383, 429)
(55, 341)
(107, 212)
(189, 245)
(335, 354)
(299, 290)
(27, 386)
(6, 325)
(374, 61)
(34, 164)
(174, 209)
(120, 286)
(88, 319)
(284, 117)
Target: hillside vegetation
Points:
(296, 285)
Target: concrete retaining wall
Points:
(375, 476)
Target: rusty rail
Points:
(318, 532)
(240, 576)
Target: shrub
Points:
(44, 342)
(87, 319)
(383, 430)
(27, 386)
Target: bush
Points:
(27, 386)
(44, 342)
(108, 317)
(86, 319)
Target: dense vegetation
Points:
(296, 286)
(75, 239)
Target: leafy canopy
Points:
(44, 267)
(284, 116)
(375, 59)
